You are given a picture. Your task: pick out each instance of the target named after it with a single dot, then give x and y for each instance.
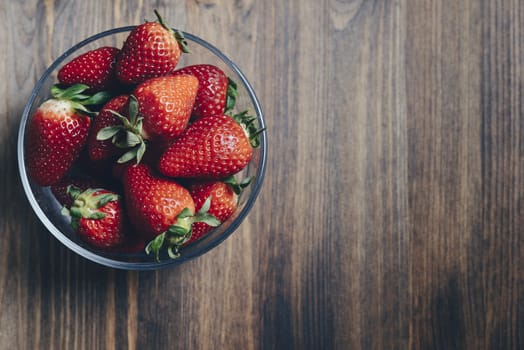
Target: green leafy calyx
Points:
(238, 187)
(86, 204)
(180, 232)
(248, 123)
(231, 96)
(79, 98)
(128, 134)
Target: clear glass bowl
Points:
(47, 207)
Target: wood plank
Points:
(391, 212)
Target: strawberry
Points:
(216, 92)
(104, 149)
(94, 68)
(57, 133)
(59, 189)
(211, 147)
(151, 50)
(97, 216)
(165, 103)
(160, 209)
(159, 111)
(224, 200)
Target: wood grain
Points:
(391, 213)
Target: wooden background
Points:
(392, 212)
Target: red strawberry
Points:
(159, 111)
(224, 200)
(165, 103)
(151, 50)
(104, 149)
(57, 133)
(59, 189)
(94, 68)
(214, 89)
(97, 217)
(211, 147)
(159, 209)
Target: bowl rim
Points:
(106, 261)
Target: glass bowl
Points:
(47, 208)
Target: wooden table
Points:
(392, 212)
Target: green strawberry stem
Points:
(180, 232)
(128, 135)
(79, 100)
(179, 36)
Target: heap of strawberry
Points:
(160, 158)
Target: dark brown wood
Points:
(392, 210)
